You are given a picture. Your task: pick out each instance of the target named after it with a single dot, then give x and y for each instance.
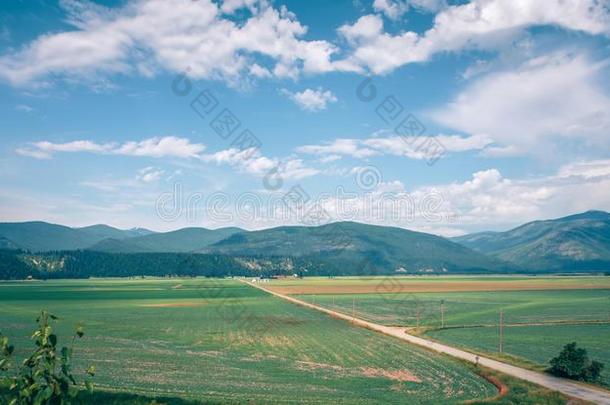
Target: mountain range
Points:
(578, 242)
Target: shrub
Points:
(573, 362)
(45, 377)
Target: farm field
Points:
(406, 284)
(224, 341)
(538, 323)
(536, 344)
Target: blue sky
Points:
(505, 109)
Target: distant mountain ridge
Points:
(181, 241)
(373, 248)
(38, 236)
(574, 242)
(579, 242)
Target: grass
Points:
(225, 342)
(521, 393)
(534, 344)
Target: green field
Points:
(224, 341)
(473, 308)
(537, 323)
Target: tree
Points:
(573, 362)
(45, 377)
(593, 372)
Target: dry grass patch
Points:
(395, 375)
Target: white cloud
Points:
(411, 147)
(168, 146)
(586, 169)
(161, 147)
(144, 36)
(208, 41)
(230, 6)
(491, 200)
(350, 147)
(24, 108)
(251, 161)
(482, 24)
(150, 174)
(310, 99)
(547, 99)
(34, 153)
(394, 9)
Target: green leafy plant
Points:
(573, 362)
(45, 377)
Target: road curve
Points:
(567, 387)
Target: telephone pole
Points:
(354, 309)
(442, 313)
(501, 348)
(417, 314)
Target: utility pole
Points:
(354, 309)
(442, 313)
(417, 314)
(501, 348)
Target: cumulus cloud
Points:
(210, 40)
(311, 99)
(479, 24)
(394, 9)
(545, 100)
(251, 161)
(489, 199)
(144, 36)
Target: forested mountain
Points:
(41, 236)
(575, 243)
(578, 242)
(369, 247)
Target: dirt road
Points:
(567, 387)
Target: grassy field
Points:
(538, 323)
(225, 342)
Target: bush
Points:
(573, 362)
(45, 377)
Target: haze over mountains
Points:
(575, 243)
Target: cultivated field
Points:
(225, 341)
(538, 319)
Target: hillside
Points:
(180, 241)
(573, 243)
(370, 248)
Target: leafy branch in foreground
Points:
(45, 377)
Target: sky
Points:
(440, 116)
